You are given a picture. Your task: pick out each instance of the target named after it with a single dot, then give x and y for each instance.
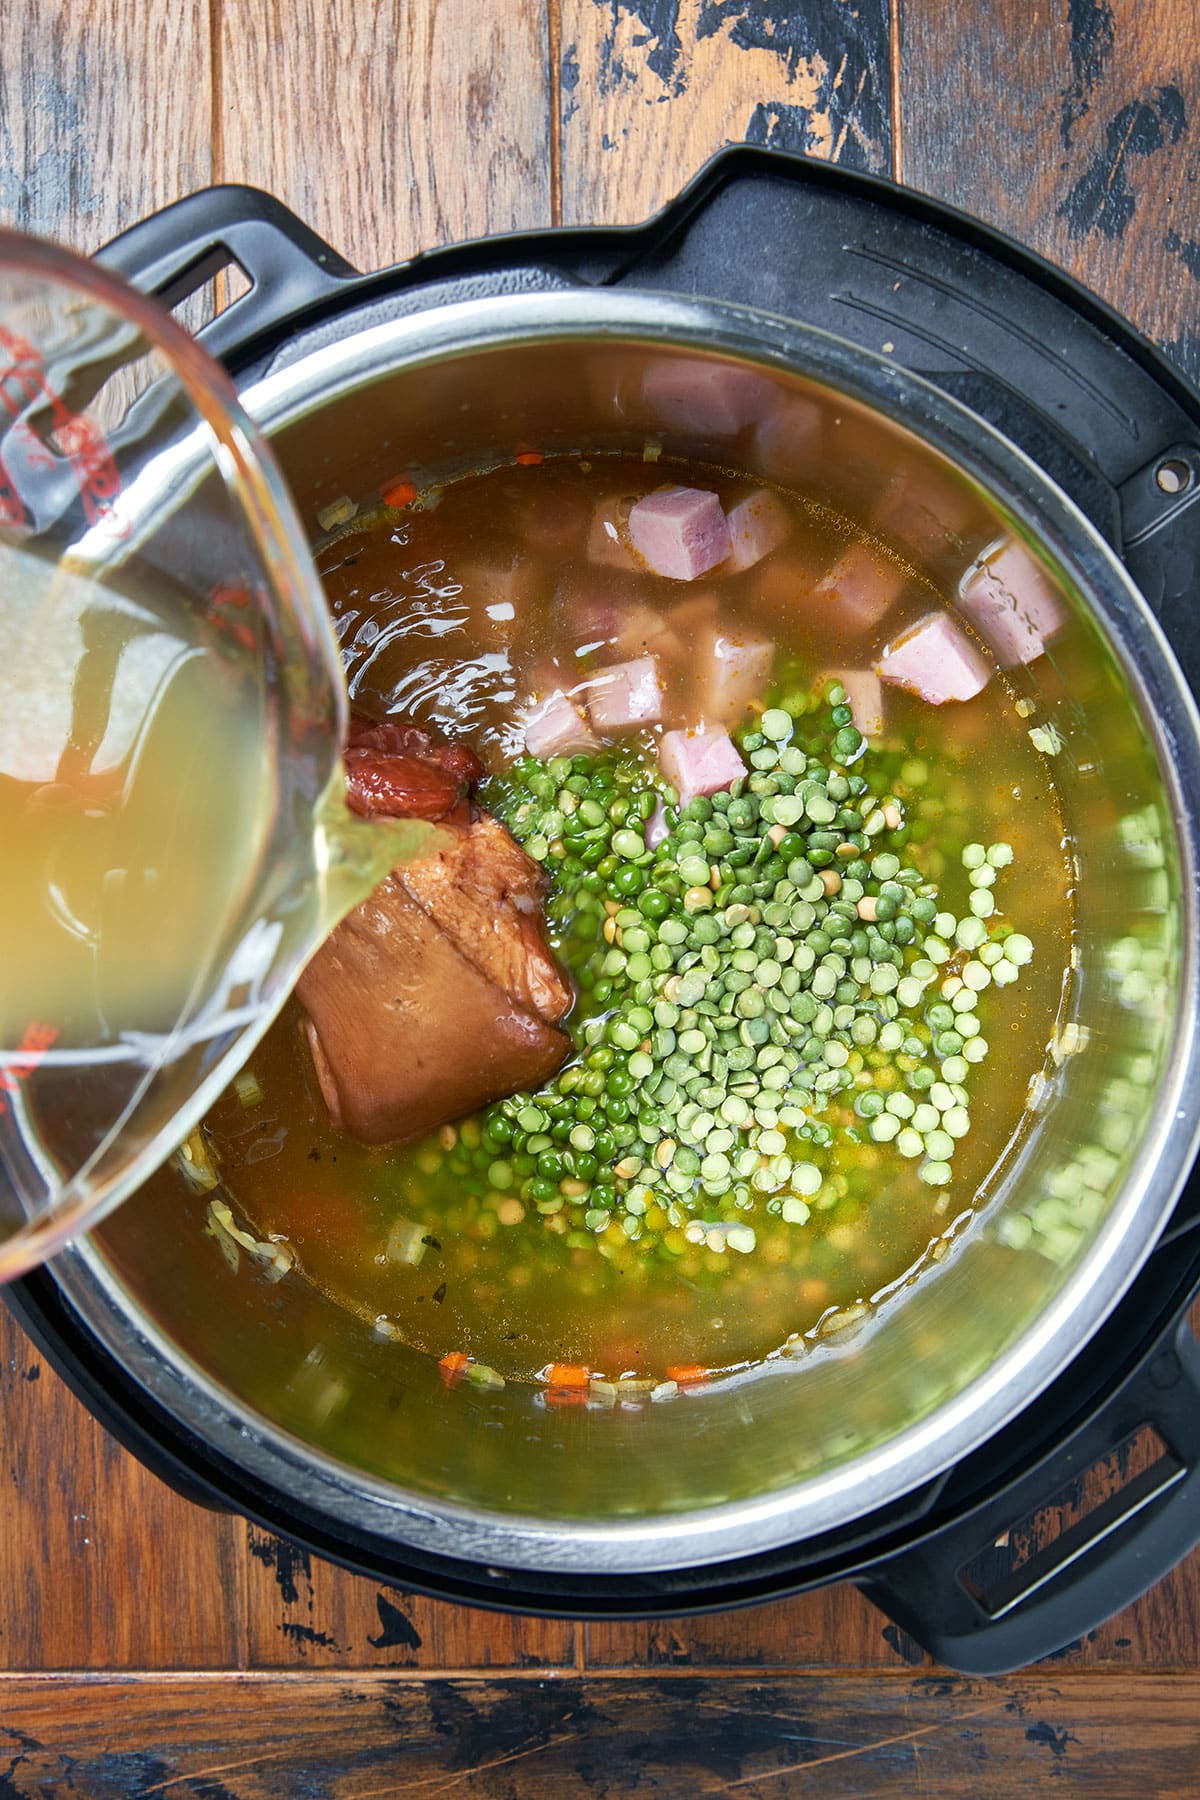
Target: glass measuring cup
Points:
(173, 839)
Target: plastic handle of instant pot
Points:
(175, 251)
(1094, 1567)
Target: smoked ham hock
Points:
(439, 992)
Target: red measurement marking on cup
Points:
(12, 513)
(36, 1039)
(23, 383)
(229, 607)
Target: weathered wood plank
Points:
(101, 1565)
(96, 129)
(1074, 128)
(649, 91)
(831, 1628)
(608, 1739)
(302, 1612)
(390, 128)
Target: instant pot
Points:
(899, 347)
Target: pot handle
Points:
(941, 1592)
(175, 251)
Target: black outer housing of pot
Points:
(1101, 412)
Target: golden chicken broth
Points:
(454, 617)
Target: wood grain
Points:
(389, 128)
(648, 91)
(1074, 128)
(302, 1612)
(88, 142)
(101, 1566)
(606, 1739)
(834, 1627)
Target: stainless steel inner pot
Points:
(289, 1388)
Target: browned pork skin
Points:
(439, 993)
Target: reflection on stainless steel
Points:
(286, 1386)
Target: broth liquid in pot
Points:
(507, 1238)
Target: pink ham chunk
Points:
(624, 696)
(680, 532)
(731, 669)
(705, 399)
(605, 546)
(1010, 602)
(699, 761)
(861, 586)
(556, 727)
(757, 525)
(936, 661)
(788, 441)
(924, 510)
(864, 697)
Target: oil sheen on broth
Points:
(450, 617)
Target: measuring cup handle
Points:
(1094, 1567)
(175, 251)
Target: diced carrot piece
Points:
(399, 493)
(566, 1396)
(528, 459)
(452, 1366)
(687, 1374)
(567, 1375)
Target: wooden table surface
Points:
(147, 1647)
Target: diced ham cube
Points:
(757, 525)
(788, 441)
(699, 761)
(594, 614)
(732, 668)
(783, 589)
(606, 546)
(556, 727)
(936, 661)
(1009, 600)
(924, 509)
(688, 617)
(680, 532)
(552, 517)
(600, 618)
(625, 695)
(702, 398)
(642, 630)
(861, 586)
(864, 697)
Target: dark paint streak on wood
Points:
(850, 44)
(397, 1629)
(305, 1636)
(34, 1372)
(1185, 350)
(1101, 199)
(1188, 252)
(789, 31)
(568, 83)
(659, 29)
(508, 1723)
(1093, 33)
(666, 1646)
(287, 1560)
(905, 1646)
(57, 185)
(1055, 1740)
